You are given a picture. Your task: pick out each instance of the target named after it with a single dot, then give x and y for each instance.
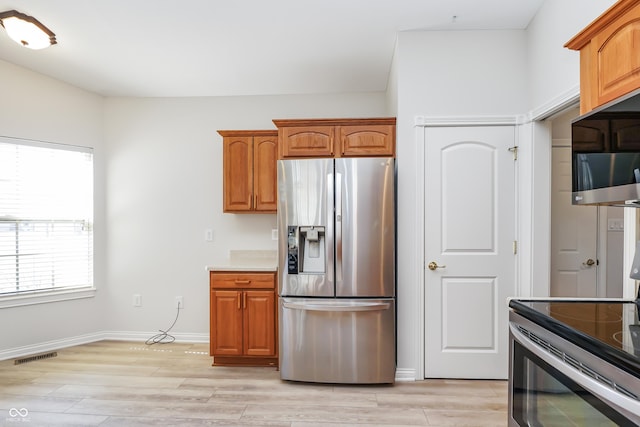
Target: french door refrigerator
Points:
(336, 286)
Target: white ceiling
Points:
(166, 48)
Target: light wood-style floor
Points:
(114, 383)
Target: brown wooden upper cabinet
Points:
(303, 138)
(609, 55)
(249, 170)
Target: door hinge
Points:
(515, 247)
(514, 150)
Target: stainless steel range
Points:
(574, 363)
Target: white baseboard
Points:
(405, 374)
(144, 336)
(44, 347)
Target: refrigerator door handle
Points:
(329, 244)
(378, 306)
(338, 229)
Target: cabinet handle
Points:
(244, 300)
(242, 282)
(255, 205)
(239, 300)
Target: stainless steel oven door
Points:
(548, 385)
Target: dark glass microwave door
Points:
(543, 396)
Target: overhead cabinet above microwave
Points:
(609, 58)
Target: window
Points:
(46, 217)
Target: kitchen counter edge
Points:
(253, 267)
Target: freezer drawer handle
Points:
(346, 307)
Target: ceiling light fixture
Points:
(26, 30)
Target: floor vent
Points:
(35, 357)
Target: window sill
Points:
(45, 297)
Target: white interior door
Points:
(574, 235)
(469, 234)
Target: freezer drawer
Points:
(337, 341)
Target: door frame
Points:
(533, 222)
(600, 232)
(540, 140)
(420, 125)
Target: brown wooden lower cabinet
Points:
(243, 319)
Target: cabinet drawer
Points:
(243, 280)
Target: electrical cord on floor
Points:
(164, 337)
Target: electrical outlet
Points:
(137, 300)
(208, 235)
(179, 302)
(274, 234)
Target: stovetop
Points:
(608, 328)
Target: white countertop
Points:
(248, 260)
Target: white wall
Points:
(40, 108)
(392, 85)
(553, 69)
(484, 73)
(470, 73)
(158, 166)
(164, 188)
(163, 163)
(553, 81)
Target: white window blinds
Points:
(46, 216)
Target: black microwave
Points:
(605, 147)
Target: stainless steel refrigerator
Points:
(336, 286)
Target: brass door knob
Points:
(589, 262)
(433, 265)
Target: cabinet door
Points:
(238, 174)
(367, 140)
(265, 180)
(614, 57)
(307, 141)
(226, 323)
(259, 323)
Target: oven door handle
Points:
(625, 405)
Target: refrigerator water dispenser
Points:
(306, 247)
